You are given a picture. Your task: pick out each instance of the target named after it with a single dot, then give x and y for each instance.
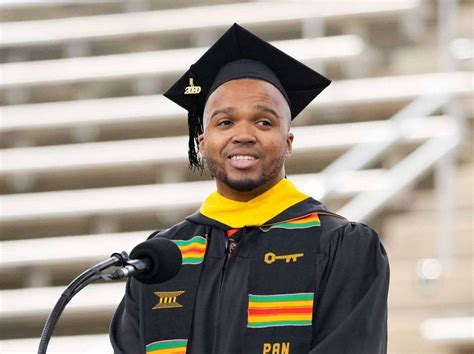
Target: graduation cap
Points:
(240, 54)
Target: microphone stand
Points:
(90, 275)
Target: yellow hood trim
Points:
(256, 211)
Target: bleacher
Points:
(93, 157)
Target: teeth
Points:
(242, 157)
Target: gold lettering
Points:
(191, 89)
(266, 348)
(276, 348)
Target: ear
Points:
(289, 144)
(202, 149)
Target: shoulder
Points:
(353, 248)
(183, 229)
(343, 233)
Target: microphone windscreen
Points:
(164, 257)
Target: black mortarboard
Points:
(241, 54)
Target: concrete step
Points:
(102, 164)
(405, 334)
(191, 24)
(21, 10)
(463, 186)
(415, 235)
(452, 294)
(23, 314)
(414, 231)
(96, 344)
(58, 260)
(148, 72)
(14, 10)
(142, 207)
(404, 338)
(155, 116)
(453, 289)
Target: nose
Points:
(243, 134)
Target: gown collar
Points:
(256, 211)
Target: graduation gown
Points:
(303, 281)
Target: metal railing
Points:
(438, 154)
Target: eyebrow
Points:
(260, 108)
(267, 109)
(226, 110)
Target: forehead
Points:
(242, 92)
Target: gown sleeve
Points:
(124, 330)
(351, 307)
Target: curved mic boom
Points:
(153, 261)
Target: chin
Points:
(244, 180)
(243, 184)
(247, 183)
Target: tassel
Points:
(195, 129)
(194, 124)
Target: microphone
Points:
(153, 261)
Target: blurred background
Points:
(93, 158)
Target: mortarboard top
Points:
(241, 54)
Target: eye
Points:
(264, 123)
(224, 122)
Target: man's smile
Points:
(242, 157)
(242, 161)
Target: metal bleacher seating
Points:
(15, 10)
(77, 158)
(93, 157)
(163, 62)
(108, 114)
(190, 20)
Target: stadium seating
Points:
(113, 72)
(14, 10)
(93, 157)
(77, 157)
(189, 20)
(155, 112)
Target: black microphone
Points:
(153, 261)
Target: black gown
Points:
(350, 282)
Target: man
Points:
(266, 268)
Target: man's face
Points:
(246, 138)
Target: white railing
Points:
(365, 153)
(438, 154)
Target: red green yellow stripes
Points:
(303, 222)
(192, 250)
(173, 346)
(280, 310)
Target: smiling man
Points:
(266, 268)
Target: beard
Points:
(245, 184)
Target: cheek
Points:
(210, 144)
(278, 145)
